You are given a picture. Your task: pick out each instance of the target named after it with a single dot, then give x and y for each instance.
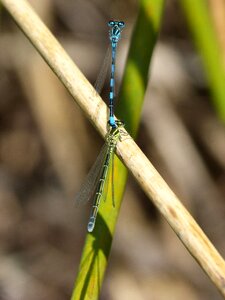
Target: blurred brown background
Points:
(47, 147)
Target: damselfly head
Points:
(115, 30)
(112, 23)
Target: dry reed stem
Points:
(154, 186)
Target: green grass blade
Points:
(137, 67)
(98, 244)
(201, 26)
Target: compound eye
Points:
(111, 23)
(121, 24)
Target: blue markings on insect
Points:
(112, 121)
(116, 28)
(91, 224)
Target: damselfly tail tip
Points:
(91, 225)
(112, 122)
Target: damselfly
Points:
(114, 35)
(94, 185)
(116, 28)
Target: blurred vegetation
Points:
(47, 147)
(206, 40)
(136, 77)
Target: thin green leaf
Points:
(202, 29)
